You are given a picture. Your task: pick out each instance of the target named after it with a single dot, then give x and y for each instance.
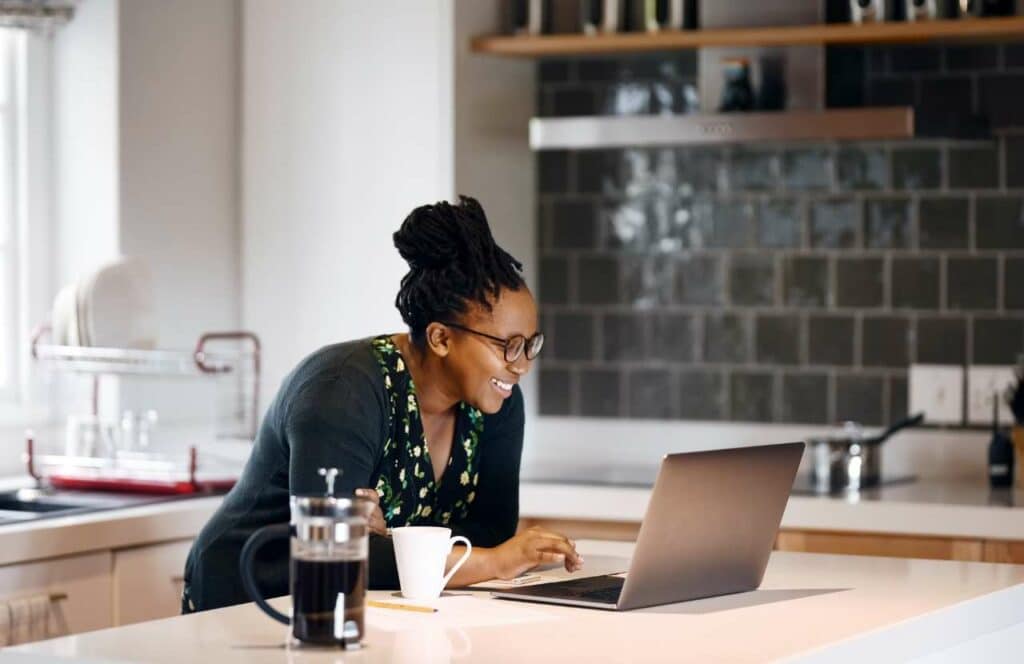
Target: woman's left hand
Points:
(377, 523)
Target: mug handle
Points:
(455, 568)
(247, 558)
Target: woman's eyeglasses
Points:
(514, 346)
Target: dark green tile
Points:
(830, 340)
(885, 341)
(600, 392)
(859, 282)
(971, 283)
(752, 397)
(777, 339)
(805, 398)
(701, 395)
(916, 168)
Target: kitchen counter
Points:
(810, 608)
(927, 508)
(51, 537)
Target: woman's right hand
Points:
(532, 547)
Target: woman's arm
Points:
(534, 546)
(340, 423)
(494, 514)
(498, 552)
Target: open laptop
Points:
(709, 530)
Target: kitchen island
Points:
(810, 607)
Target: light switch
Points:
(982, 384)
(938, 391)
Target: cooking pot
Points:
(848, 460)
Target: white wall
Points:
(346, 128)
(179, 158)
(178, 182)
(85, 164)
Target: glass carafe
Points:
(328, 567)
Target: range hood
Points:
(581, 133)
(805, 116)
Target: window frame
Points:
(26, 401)
(9, 126)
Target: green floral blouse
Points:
(408, 494)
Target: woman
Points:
(429, 424)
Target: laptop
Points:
(709, 530)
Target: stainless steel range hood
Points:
(804, 118)
(581, 133)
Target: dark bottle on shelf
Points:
(1000, 452)
(528, 17)
(737, 91)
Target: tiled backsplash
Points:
(778, 283)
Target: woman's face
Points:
(478, 366)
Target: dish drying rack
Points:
(142, 471)
(134, 472)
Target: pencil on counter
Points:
(400, 607)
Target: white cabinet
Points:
(79, 585)
(148, 581)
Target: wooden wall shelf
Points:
(981, 29)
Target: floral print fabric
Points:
(409, 495)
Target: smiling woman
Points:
(428, 424)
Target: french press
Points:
(328, 568)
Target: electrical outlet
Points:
(984, 383)
(938, 391)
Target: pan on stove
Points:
(849, 460)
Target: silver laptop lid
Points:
(710, 524)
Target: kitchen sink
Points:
(28, 504)
(8, 504)
(32, 504)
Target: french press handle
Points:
(246, 561)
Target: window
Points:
(24, 218)
(10, 42)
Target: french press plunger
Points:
(328, 566)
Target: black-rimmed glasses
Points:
(514, 346)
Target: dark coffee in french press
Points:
(328, 567)
(327, 596)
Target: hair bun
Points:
(433, 236)
(453, 262)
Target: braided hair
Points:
(453, 261)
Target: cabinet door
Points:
(148, 581)
(997, 551)
(873, 544)
(79, 588)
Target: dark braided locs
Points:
(453, 261)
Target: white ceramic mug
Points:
(421, 553)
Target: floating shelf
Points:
(980, 29)
(580, 133)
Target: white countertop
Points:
(810, 608)
(940, 509)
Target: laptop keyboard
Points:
(595, 589)
(609, 595)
